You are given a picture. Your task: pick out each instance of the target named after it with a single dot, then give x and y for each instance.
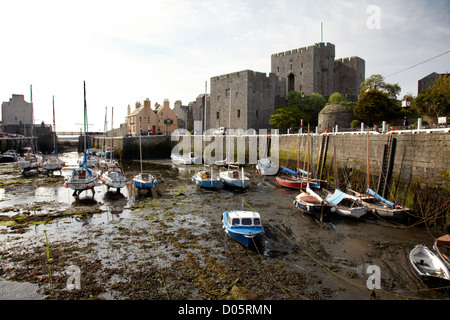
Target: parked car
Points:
(221, 131)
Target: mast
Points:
(368, 174)
(32, 118)
(112, 150)
(140, 147)
(54, 127)
(307, 158)
(204, 106)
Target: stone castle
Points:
(246, 99)
(314, 69)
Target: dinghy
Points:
(242, 226)
(266, 167)
(143, 180)
(427, 265)
(294, 180)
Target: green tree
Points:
(337, 98)
(376, 81)
(285, 117)
(311, 107)
(375, 106)
(435, 101)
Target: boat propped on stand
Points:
(243, 226)
(144, 180)
(296, 180)
(53, 162)
(345, 204)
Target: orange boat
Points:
(442, 247)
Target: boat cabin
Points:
(243, 218)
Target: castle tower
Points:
(308, 70)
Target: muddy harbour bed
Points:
(172, 246)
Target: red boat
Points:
(296, 183)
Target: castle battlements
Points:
(349, 60)
(304, 49)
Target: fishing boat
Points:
(206, 179)
(442, 248)
(345, 204)
(144, 181)
(427, 265)
(186, 159)
(114, 177)
(83, 178)
(243, 226)
(54, 163)
(266, 167)
(233, 178)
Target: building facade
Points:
(17, 115)
(314, 69)
(426, 82)
(160, 120)
(244, 100)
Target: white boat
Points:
(345, 204)
(427, 265)
(233, 178)
(266, 167)
(242, 226)
(10, 156)
(206, 179)
(144, 180)
(186, 159)
(30, 161)
(53, 163)
(114, 177)
(82, 179)
(88, 160)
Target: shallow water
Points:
(333, 256)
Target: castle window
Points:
(291, 66)
(257, 113)
(301, 65)
(218, 98)
(278, 69)
(239, 113)
(227, 92)
(217, 115)
(301, 73)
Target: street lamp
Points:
(405, 105)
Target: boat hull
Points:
(297, 183)
(311, 205)
(427, 265)
(440, 245)
(206, 183)
(146, 183)
(245, 235)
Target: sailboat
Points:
(296, 179)
(113, 177)
(83, 178)
(233, 178)
(309, 201)
(143, 180)
(30, 159)
(54, 163)
(376, 203)
(207, 178)
(342, 203)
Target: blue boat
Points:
(242, 226)
(206, 179)
(233, 178)
(145, 181)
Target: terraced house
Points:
(158, 121)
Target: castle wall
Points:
(349, 73)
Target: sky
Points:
(127, 51)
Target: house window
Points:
(140, 119)
(239, 113)
(162, 113)
(148, 119)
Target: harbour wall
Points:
(420, 155)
